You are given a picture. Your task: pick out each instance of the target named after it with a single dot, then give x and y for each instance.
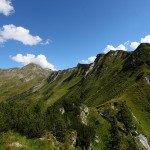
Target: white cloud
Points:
(146, 39)
(121, 47)
(46, 42)
(2, 40)
(11, 32)
(30, 58)
(89, 60)
(134, 45)
(6, 7)
(127, 43)
(111, 47)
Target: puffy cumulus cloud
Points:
(121, 47)
(108, 48)
(111, 47)
(89, 60)
(30, 58)
(134, 45)
(6, 7)
(11, 32)
(146, 39)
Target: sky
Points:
(59, 34)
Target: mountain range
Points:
(100, 106)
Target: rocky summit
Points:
(100, 106)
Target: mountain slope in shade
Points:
(104, 105)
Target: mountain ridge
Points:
(111, 52)
(104, 105)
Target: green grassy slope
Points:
(17, 81)
(104, 105)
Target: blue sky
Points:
(75, 30)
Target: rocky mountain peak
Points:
(139, 57)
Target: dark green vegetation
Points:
(100, 106)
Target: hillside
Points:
(101, 106)
(15, 81)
